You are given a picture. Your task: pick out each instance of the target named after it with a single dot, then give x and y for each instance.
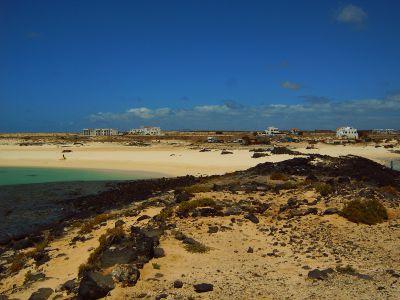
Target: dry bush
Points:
(88, 226)
(192, 204)
(323, 188)
(278, 176)
(197, 188)
(196, 247)
(367, 212)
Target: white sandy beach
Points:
(166, 159)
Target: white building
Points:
(99, 131)
(146, 130)
(272, 131)
(346, 133)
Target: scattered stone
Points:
(41, 294)
(320, 274)
(203, 287)
(158, 252)
(95, 285)
(251, 217)
(331, 211)
(144, 217)
(162, 296)
(250, 250)
(178, 284)
(213, 229)
(126, 274)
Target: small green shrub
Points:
(192, 204)
(367, 212)
(88, 226)
(166, 213)
(156, 266)
(346, 270)
(323, 188)
(278, 176)
(196, 247)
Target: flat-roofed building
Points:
(146, 130)
(99, 132)
(346, 133)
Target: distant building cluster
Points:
(346, 133)
(146, 130)
(384, 131)
(99, 132)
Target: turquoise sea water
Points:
(20, 175)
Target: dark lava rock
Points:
(206, 212)
(41, 294)
(119, 254)
(311, 177)
(162, 296)
(258, 155)
(94, 286)
(178, 284)
(250, 250)
(36, 276)
(213, 229)
(203, 287)
(233, 210)
(223, 152)
(180, 236)
(126, 274)
(22, 244)
(252, 218)
(158, 252)
(343, 180)
(144, 217)
(69, 286)
(320, 274)
(331, 211)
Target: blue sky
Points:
(65, 65)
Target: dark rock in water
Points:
(94, 286)
(213, 229)
(144, 217)
(119, 223)
(178, 284)
(203, 287)
(252, 218)
(331, 211)
(41, 294)
(320, 274)
(162, 296)
(158, 252)
(126, 274)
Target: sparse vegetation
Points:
(156, 266)
(196, 247)
(346, 270)
(389, 190)
(323, 188)
(367, 212)
(88, 226)
(192, 204)
(197, 188)
(278, 176)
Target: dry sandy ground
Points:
(165, 159)
(321, 242)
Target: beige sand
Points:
(168, 160)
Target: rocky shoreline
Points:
(278, 230)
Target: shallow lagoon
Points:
(19, 175)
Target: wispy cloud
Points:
(352, 14)
(290, 85)
(313, 112)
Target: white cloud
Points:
(351, 14)
(363, 113)
(290, 85)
